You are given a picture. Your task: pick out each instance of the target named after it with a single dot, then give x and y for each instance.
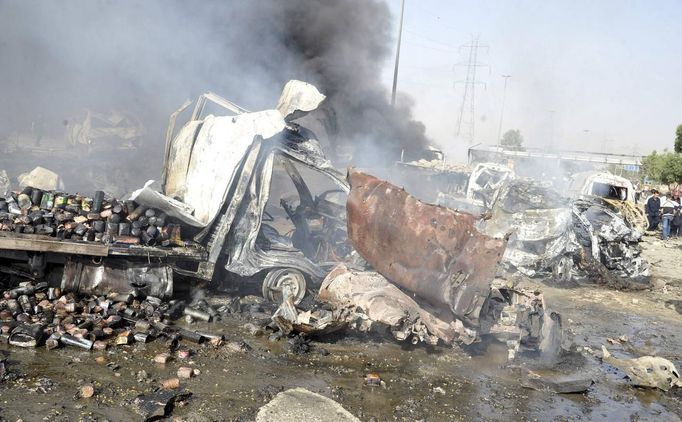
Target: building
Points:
(553, 164)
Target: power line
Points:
(466, 123)
(504, 98)
(429, 47)
(429, 39)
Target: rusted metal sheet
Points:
(433, 251)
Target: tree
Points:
(652, 165)
(512, 139)
(665, 168)
(678, 139)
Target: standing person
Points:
(653, 210)
(676, 229)
(668, 207)
(676, 223)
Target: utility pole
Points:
(397, 54)
(504, 98)
(467, 112)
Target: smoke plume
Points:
(147, 57)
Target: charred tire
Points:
(562, 270)
(284, 276)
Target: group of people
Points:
(665, 210)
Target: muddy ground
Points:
(421, 383)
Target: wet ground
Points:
(421, 383)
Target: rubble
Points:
(556, 236)
(366, 301)
(560, 384)
(87, 391)
(646, 371)
(170, 384)
(185, 372)
(373, 379)
(162, 358)
(301, 405)
(32, 315)
(41, 178)
(160, 403)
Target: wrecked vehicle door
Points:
(217, 179)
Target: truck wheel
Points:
(279, 277)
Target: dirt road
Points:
(421, 383)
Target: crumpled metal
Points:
(433, 251)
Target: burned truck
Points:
(379, 256)
(215, 186)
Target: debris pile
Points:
(646, 371)
(33, 314)
(550, 234)
(608, 236)
(433, 281)
(80, 218)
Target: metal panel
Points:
(36, 243)
(433, 251)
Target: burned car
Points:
(615, 192)
(553, 235)
(115, 129)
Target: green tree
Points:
(665, 168)
(512, 139)
(678, 139)
(651, 166)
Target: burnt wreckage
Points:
(552, 235)
(383, 258)
(429, 278)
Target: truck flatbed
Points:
(41, 243)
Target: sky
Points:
(603, 76)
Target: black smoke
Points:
(146, 57)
